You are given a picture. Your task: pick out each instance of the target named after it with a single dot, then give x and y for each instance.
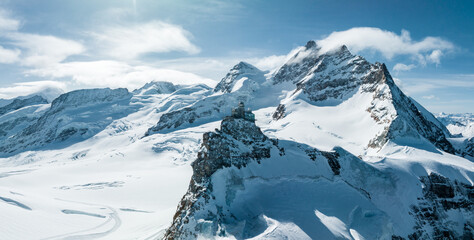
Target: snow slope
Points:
(337, 152)
(112, 185)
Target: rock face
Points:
(324, 79)
(238, 157)
(279, 113)
(441, 199)
(237, 143)
(238, 167)
(333, 77)
(410, 120)
(72, 116)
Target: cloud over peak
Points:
(389, 44)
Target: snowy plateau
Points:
(336, 151)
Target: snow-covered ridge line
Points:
(89, 96)
(304, 169)
(321, 79)
(72, 117)
(239, 178)
(20, 103)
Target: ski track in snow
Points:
(118, 166)
(89, 233)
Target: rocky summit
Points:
(325, 146)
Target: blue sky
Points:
(427, 45)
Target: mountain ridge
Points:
(336, 150)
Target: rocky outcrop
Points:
(329, 78)
(469, 147)
(443, 205)
(279, 112)
(237, 143)
(408, 120)
(322, 76)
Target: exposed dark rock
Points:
(441, 195)
(467, 148)
(331, 157)
(237, 143)
(279, 113)
(409, 119)
(332, 161)
(394, 237)
(222, 149)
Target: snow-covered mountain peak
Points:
(244, 67)
(338, 79)
(22, 102)
(89, 96)
(236, 78)
(156, 87)
(311, 44)
(310, 60)
(238, 143)
(72, 117)
(333, 149)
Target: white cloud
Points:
(270, 62)
(214, 68)
(33, 49)
(153, 37)
(400, 67)
(9, 55)
(435, 56)
(429, 97)
(48, 89)
(41, 50)
(7, 23)
(273, 62)
(116, 74)
(389, 44)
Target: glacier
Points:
(337, 151)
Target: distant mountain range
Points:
(337, 151)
